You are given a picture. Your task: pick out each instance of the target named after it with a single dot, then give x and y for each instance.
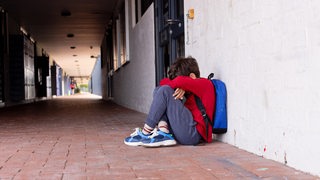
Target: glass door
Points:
(169, 25)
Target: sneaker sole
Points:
(162, 143)
(133, 143)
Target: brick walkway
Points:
(78, 138)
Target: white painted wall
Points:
(268, 54)
(134, 82)
(95, 82)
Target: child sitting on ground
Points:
(174, 110)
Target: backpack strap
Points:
(203, 110)
(210, 76)
(203, 113)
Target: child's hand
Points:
(178, 93)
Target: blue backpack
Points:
(220, 121)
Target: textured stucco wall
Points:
(268, 54)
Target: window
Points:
(115, 48)
(139, 7)
(121, 38)
(145, 5)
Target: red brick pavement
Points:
(79, 138)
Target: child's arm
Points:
(178, 93)
(164, 81)
(195, 86)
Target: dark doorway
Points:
(107, 62)
(1, 56)
(169, 25)
(3, 50)
(41, 73)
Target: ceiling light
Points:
(32, 40)
(70, 35)
(23, 31)
(65, 13)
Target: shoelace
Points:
(155, 133)
(135, 132)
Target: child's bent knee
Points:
(165, 89)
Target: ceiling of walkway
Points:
(44, 22)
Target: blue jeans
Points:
(179, 118)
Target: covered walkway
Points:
(81, 137)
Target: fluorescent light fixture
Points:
(23, 31)
(65, 13)
(70, 35)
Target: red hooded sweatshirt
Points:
(204, 89)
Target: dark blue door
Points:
(169, 34)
